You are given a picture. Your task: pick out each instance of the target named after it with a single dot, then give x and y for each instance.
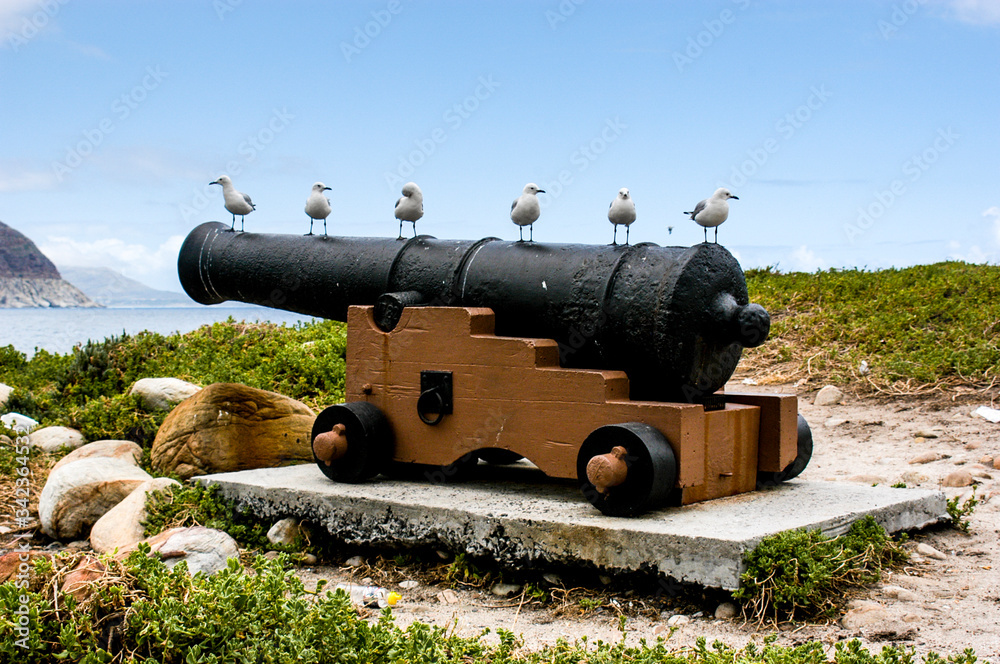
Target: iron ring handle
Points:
(422, 406)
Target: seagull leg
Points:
(310, 226)
(233, 227)
(400, 230)
(717, 235)
(626, 235)
(705, 228)
(614, 240)
(414, 229)
(520, 233)
(324, 228)
(531, 232)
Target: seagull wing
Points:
(249, 202)
(698, 208)
(514, 204)
(400, 200)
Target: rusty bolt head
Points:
(608, 470)
(331, 445)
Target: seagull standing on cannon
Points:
(237, 203)
(524, 211)
(410, 207)
(711, 212)
(318, 206)
(621, 211)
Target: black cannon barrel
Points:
(675, 319)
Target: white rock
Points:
(205, 550)
(726, 611)
(929, 551)
(927, 457)
(448, 596)
(15, 420)
(52, 439)
(901, 594)
(123, 450)
(958, 478)
(832, 422)
(829, 396)
(506, 589)
(284, 531)
(121, 527)
(678, 620)
(76, 495)
(409, 584)
(864, 616)
(355, 561)
(5, 391)
(913, 477)
(987, 413)
(162, 393)
(552, 579)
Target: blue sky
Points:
(856, 133)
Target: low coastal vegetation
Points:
(914, 331)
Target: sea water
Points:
(59, 330)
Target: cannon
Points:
(601, 364)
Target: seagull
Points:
(621, 211)
(318, 206)
(236, 203)
(524, 210)
(410, 207)
(711, 212)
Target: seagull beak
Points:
(327, 189)
(541, 191)
(216, 182)
(736, 197)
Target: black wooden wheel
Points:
(798, 464)
(652, 468)
(369, 441)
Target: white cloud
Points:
(973, 255)
(978, 12)
(14, 179)
(156, 267)
(805, 259)
(13, 14)
(995, 213)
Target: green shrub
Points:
(806, 572)
(121, 417)
(197, 505)
(959, 512)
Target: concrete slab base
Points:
(521, 519)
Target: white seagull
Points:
(524, 210)
(410, 207)
(318, 206)
(236, 203)
(711, 212)
(621, 211)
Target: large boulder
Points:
(77, 494)
(123, 450)
(121, 527)
(227, 426)
(5, 392)
(53, 439)
(205, 550)
(163, 393)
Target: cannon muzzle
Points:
(675, 319)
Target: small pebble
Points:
(923, 433)
(448, 596)
(355, 561)
(308, 559)
(927, 457)
(553, 579)
(726, 611)
(829, 396)
(677, 620)
(409, 584)
(606, 580)
(443, 555)
(506, 589)
(959, 478)
(929, 551)
(901, 594)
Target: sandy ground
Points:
(944, 604)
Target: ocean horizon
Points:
(59, 330)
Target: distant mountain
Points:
(114, 289)
(29, 279)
